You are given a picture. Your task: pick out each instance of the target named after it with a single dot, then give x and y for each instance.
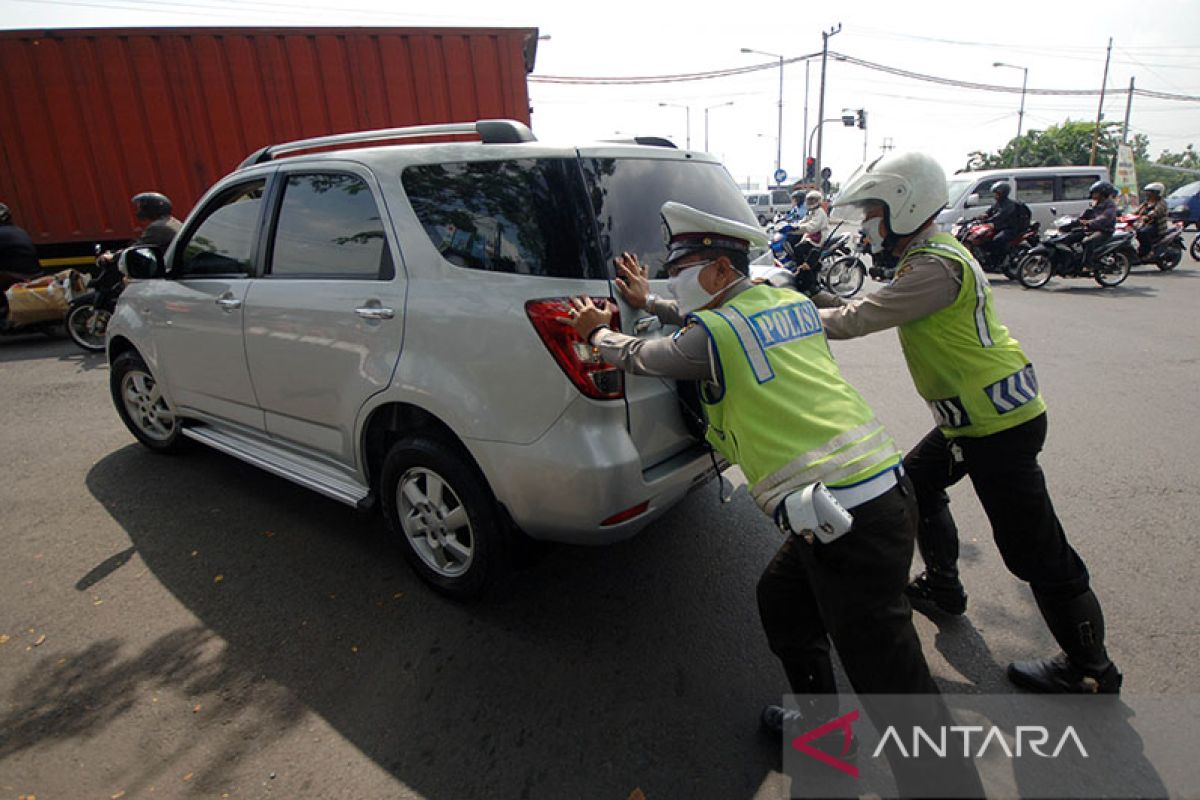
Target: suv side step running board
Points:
(284, 463)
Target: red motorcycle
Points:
(976, 234)
(1165, 252)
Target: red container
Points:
(92, 117)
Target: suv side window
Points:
(523, 217)
(1075, 187)
(1035, 190)
(223, 242)
(329, 227)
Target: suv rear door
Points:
(627, 194)
(325, 322)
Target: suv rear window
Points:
(627, 194)
(522, 217)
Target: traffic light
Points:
(862, 118)
(810, 170)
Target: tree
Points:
(1071, 144)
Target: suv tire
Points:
(144, 411)
(443, 514)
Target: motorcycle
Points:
(830, 266)
(975, 235)
(38, 304)
(1165, 253)
(87, 319)
(1054, 255)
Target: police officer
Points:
(1152, 218)
(990, 415)
(18, 255)
(154, 209)
(777, 405)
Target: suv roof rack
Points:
(651, 141)
(490, 131)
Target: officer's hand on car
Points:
(632, 281)
(586, 316)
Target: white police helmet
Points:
(813, 198)
(911, 186)
(1154, 187)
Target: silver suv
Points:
(384, 325)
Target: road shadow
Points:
(33, 346)
(595, 672)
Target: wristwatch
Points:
(650, 300)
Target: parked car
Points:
(1043, 189)
(766, 204)
(1183, 204)
(385, 325)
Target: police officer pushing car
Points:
(989, 412)
(817, 461)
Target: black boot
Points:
(937, 541)
(1084, 666)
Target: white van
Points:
(766, 204)
(1064, 188)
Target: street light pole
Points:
(825, 36)
(1021, 113)
(687, 119)
(706, 109)
(779, 137)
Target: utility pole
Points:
(887, 145)
(825, 36)
(1100, 110)
(806, 63)
(1128, 107)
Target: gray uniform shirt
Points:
(688, 355)
(925, 284)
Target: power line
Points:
(904, 73)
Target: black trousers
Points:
(852, 592)
(1011, 487)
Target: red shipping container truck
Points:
(91, 117)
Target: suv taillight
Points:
(580, 361)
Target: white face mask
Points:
(686, 289)
(872, 231)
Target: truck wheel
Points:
(141, 405)
(442, 512)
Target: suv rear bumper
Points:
(584, 471)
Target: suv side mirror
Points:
(973, 200)
(1053, 211)
(141, 263)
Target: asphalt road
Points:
(190, 626)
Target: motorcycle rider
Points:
(1098, 222)
(799, 424)
(1152, 220)
(155, 210)
(18, 255)
(806, 234)
(1002, 214)
(990, 418)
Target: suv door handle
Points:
(229, 302)
(375, 312)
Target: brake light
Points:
(627, 514)
(581, 362)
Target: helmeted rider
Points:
(989, 412)
(1153, 221)
(1002, 214)
(18, 255)
(154, 209)
(807, 234)
(1097, 222)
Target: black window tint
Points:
(1075, 187)
(329, 226)
(224, 241)
(628, 193)
(1035, 190)
(526, 217)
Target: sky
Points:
(1061, 44)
